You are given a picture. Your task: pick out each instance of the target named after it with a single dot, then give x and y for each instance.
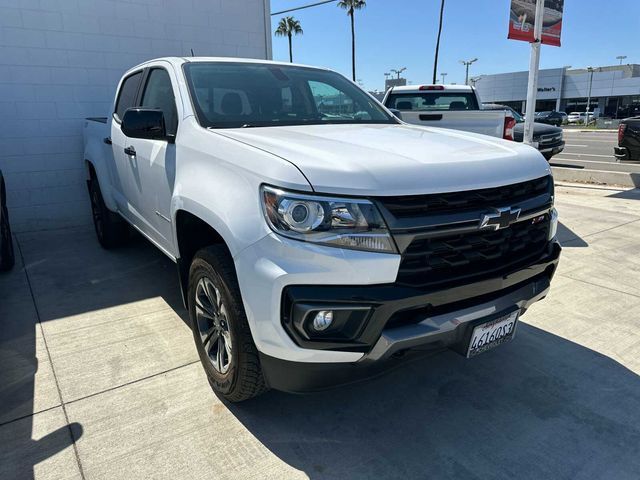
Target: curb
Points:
(599, 130)
(598, 177)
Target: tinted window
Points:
(127, 95)
(432, 101)
(158, 93)
(231, 95)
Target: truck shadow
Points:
(568, 238)
(539, 407)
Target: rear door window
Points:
(432, 101)
(127, 94)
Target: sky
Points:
(402, 33)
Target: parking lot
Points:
(100, 377)
(592, 150)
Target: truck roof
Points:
(182, 60)
(419, 88)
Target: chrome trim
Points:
(162, 216)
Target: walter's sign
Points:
(522, 17)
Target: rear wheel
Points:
(220, 329)
(111, 230)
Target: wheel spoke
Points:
(209, 338)
(219, 355)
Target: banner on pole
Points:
(522, 18)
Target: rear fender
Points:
(96, 155)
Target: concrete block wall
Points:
(60, 61)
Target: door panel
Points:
(127, 98)
(155, 161)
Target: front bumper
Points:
(402, 319)
(550, 150)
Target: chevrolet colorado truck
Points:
(318, 239)
(449, 106)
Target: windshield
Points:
(233, 95)
(518, 118)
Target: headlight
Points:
(338, 222)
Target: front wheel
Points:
(220, 329)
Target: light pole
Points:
(443, 74)
(399, 71)
(534, 68)
(466, 63)
(621, 57)
(586, 116)
(435, 61)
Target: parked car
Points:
(565, 118)
(7, 257)
(628, 139)
(549, 117)
(579, 117)
(547, 138)
(448, 106)
(317, 238)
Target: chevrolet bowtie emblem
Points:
(502, 218)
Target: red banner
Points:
(521, 20)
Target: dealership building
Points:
(614, 90)
(60, 62)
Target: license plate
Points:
(493, 333)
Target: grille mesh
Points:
(456, 202)
(450, 259)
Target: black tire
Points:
(243, 378)
(7, 256)
(111, 230)
(547, 156)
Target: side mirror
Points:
(144, 123)
(396, 113)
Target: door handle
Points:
(130, 151)
(107, 140)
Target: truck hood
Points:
(381, 160)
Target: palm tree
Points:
(351, 6)
(289, 26)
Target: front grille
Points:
(551, 138)
(457, 202)
(450, 259)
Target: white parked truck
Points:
(318, 239)
(449, 106)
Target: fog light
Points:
(553, 224)
(322, 320)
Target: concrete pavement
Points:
(100, 379)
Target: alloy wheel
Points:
(213, 326)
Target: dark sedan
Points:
(547, 137)
(7, 258)
(628, 139)
(550, 118)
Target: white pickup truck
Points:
(317, 238)
(449, 106)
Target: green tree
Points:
(287, 27)
(351, 6)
